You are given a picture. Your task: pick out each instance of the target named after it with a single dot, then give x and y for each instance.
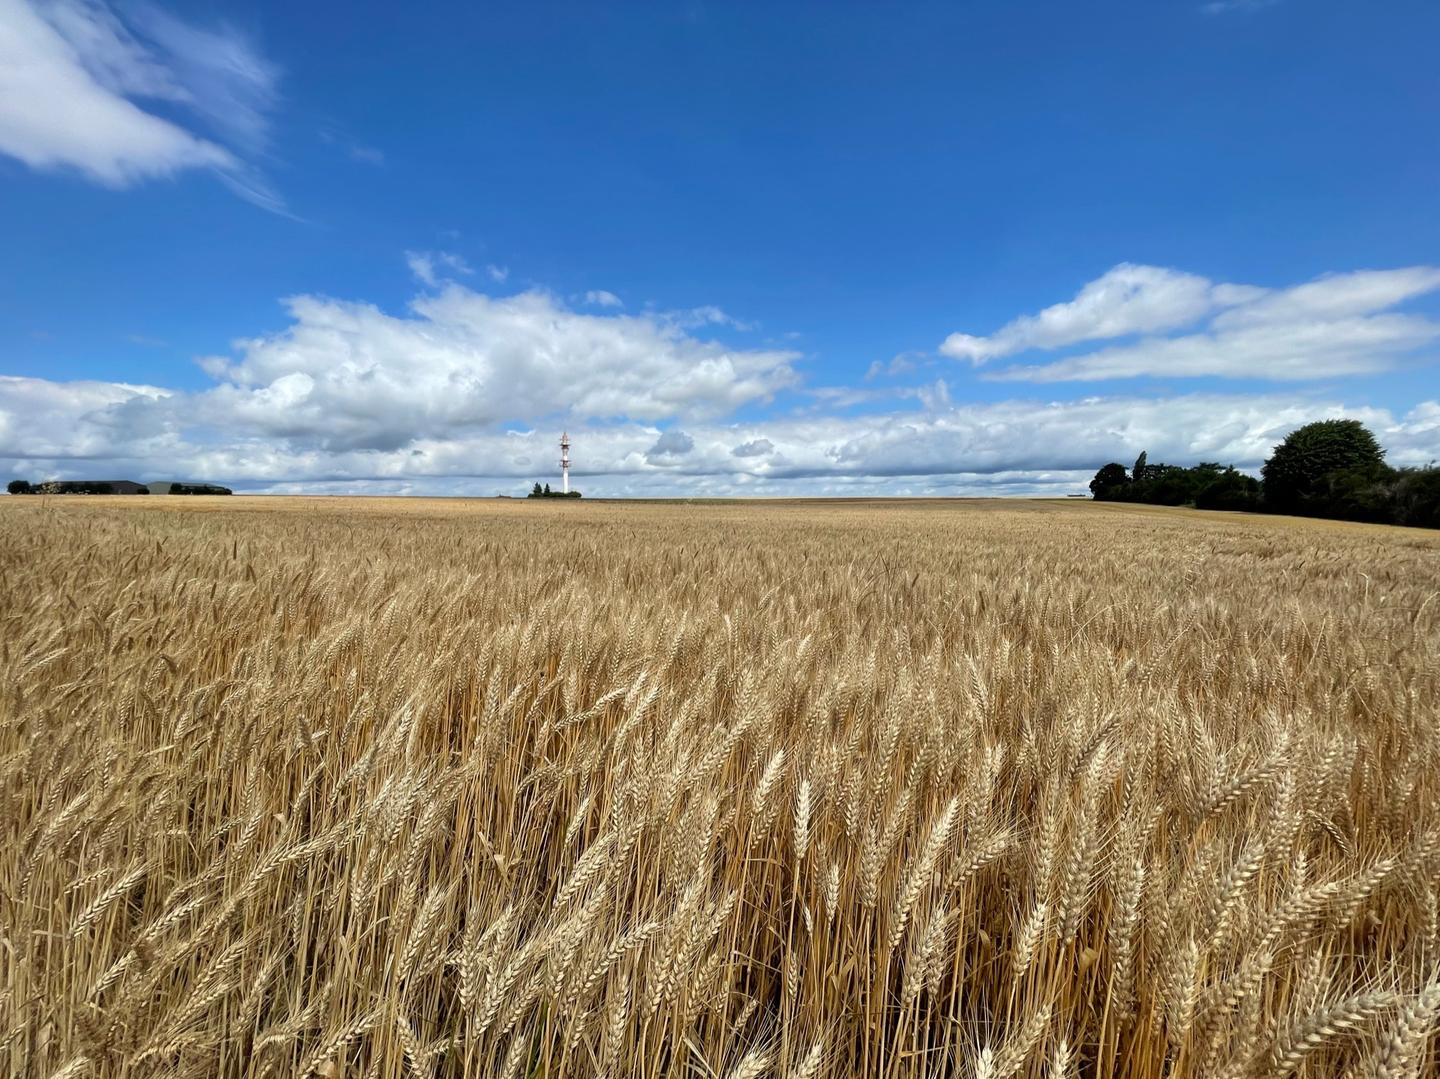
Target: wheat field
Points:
(423, 788)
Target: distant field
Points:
(415, 787)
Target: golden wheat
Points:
(419, 788)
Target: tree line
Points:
(544, 492)
(1330, 468)
(100, 487)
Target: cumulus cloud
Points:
(82, 420)
(598, 297)
(756, 447)
(347, 375)
(668, 446)
(1340, 324)
(73, 71)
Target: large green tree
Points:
(1299, 473)
(1108, 480)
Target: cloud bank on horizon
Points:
(465, 391)
(464, 387)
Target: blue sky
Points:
(741, 248)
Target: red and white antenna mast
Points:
(565, 463)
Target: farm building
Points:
(171, 488)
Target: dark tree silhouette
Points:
(1107, 480)
(1300, 475)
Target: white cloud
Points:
(429, 266)
(80, 420)
(839, 397)
(223, 79)
(1278, 352)
(53, 112)
(1336, 325)
(708, 315)
(1333, 297)
(1128, 299)
(347, 374)
(497, 273)
(421, 265)
(900, 364)
(71, 69)
(598, 297)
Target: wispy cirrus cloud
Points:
(430, 267)
(1226, 7)
(128, 96)
(695, 318)
(356, 151)
(900, 364)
